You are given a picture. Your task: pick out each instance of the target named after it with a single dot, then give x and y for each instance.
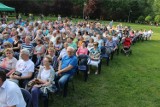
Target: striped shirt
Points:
(29, 47)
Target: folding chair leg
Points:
(107, 61)
(118, 51)
(73, 86)
(99, 68)
(65, 89)
(85, 76)
(112, 53)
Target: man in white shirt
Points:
(24, 66)
(63, 52)
(10, 93)
(150, 32)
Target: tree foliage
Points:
(148, 18)
(105, 9)
(157, 18)
(141, 18)
(156, 6)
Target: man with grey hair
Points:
(67, 67)
(24, 66)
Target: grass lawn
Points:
(132, 81)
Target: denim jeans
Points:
(36, 92)
(61, 80)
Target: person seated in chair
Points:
(111, 46)
(27, 44)
(7, 38)
(63, 51)
(39, 52)
(94, 54)
(11, 95)
(71, 43)
(43, 83)
(5, 46)
(51, 53)
(58, 46)
(17, 44)
(82, 50)
(90, 44)
(67, 68)
(9, 62)
(24, 67)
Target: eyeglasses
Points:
(8, 53)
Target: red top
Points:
(127, 42)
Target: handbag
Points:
(32, 83)
(17, 73)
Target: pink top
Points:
(131, 34)
(81, 51)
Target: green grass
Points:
(132, 81)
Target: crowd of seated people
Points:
(52, 48)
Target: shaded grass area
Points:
(127, 82)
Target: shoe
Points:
(96, 72)
(88, 72)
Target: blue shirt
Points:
(100, 43)
(111, 44)
(10, 40)
(66, 61)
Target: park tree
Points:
(157, 19)
(118, 10)
(90, 7)
(63, 7)
(141, 19)
(148, 19)
(156, 6)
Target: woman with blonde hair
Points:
(9, 62)
(5, 46)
